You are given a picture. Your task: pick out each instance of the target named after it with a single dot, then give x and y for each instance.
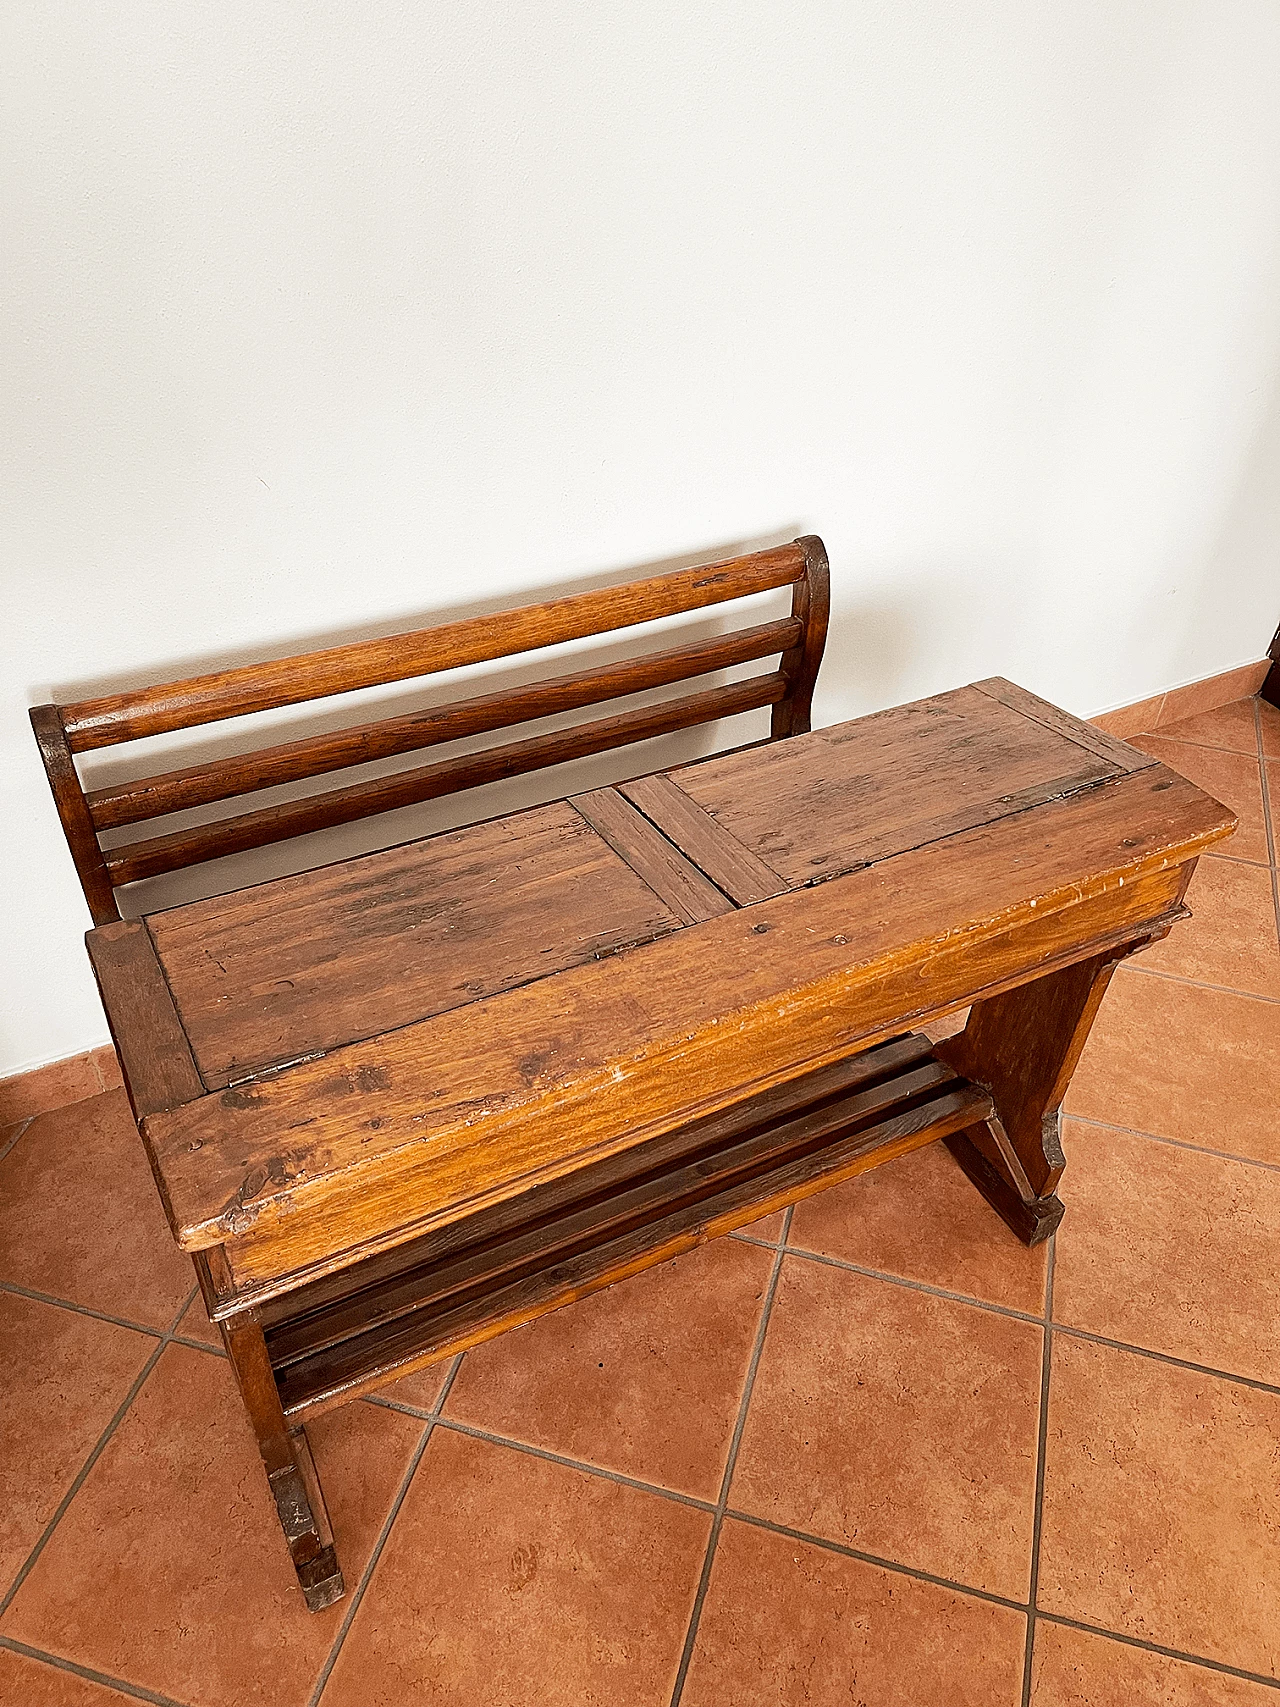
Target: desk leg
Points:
(291, 1473)
(1023, 1046)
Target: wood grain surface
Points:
(869, 789)
(289, 761)
(435, 1118)
(306, 963)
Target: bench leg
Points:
(291, 1473)
(1023, 1047)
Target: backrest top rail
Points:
(104, 722)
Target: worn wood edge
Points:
(1030, 1217)
(968, 1102)
(256, 1270)
(832, 987)
(1043, 711)
(156, 1061)
(185, 704)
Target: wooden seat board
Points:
(303, 964)
(876, 787)
(481, 1100)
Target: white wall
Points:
(322, 318)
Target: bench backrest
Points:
(64, 730)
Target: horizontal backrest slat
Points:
(131, 863)
(222, 779)
(343, 669)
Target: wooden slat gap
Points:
(134, 861)
(120, 804)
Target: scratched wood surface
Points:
(466, 1107)
(869, 789)
(289, 968)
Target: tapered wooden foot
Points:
(321, 1580)
(1032, 1218)
(291, 1473)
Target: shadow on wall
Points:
(201, 664)
(871, 650)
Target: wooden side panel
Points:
(876, 787)
(154, 1052)
(301, 965)
(533, 1080)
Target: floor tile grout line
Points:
(1036, 1321)
(198, 1345)
(1219, 852)
(731, 1461)
(1177, 1143)
(134, 1691)
(600, 1471)
(103, 1441)
(876, 1559)
(1182, 740)
(1182, 1654)
(366, 1576)
(56, 1303)
(1042, 1448)
(1059, 1327)
(705, 1505)
(748, 1239)
(819, 1541)
(1200, 984)
(914, 1285)
(823, 1542)
(14, 1136)
(1186, 1363)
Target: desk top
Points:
(396, 1022)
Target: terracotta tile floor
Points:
(871, 1453)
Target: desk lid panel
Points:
(864, 791)
(294, 967)
(424, 1122)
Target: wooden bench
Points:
(400, 1103)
